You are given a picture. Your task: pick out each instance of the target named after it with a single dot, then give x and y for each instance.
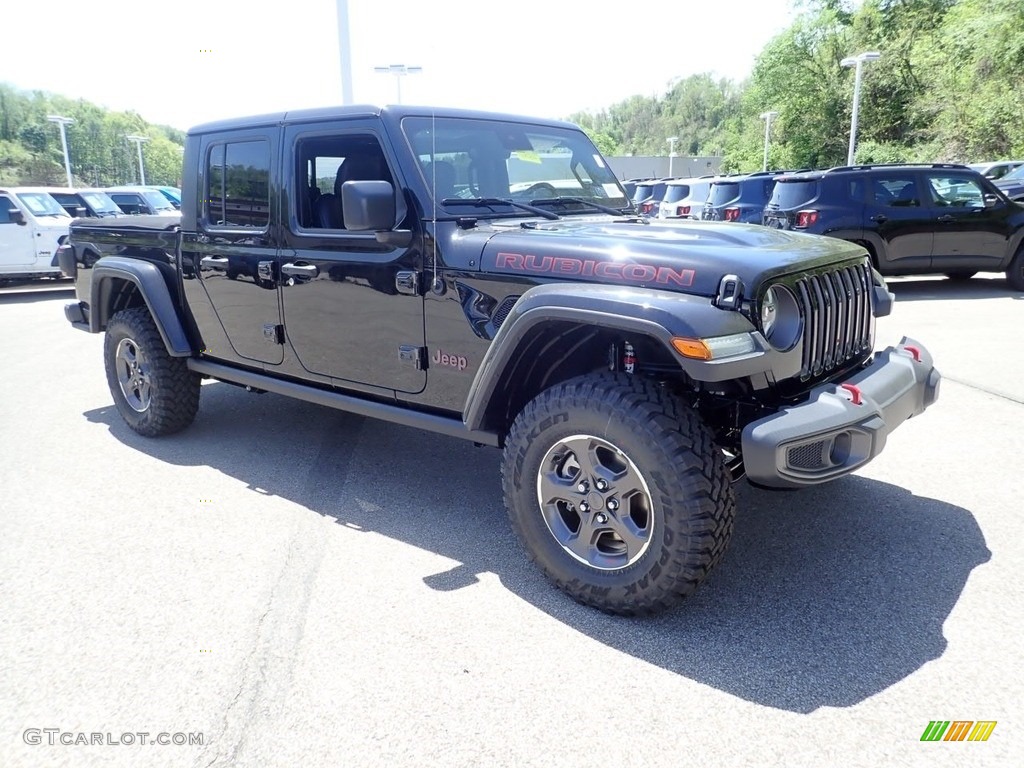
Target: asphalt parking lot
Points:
(305, 587)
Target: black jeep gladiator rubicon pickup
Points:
(484, 276)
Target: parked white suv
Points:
(32, 225)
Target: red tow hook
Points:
(855, 396)
(914, 352)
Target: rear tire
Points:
(156, 394)
(1015, 272)
(618, 492)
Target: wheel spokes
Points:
(595, 502)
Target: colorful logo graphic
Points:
(959, 730)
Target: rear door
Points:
(234, 248)
(968, 234)
(898, 211)
(17, 246)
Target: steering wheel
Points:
(543, 187)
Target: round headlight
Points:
(781, 322)
(769, 312)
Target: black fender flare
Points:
(150, 282)
(660, 315)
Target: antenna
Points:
(436, 285)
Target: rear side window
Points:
(895, 191)
(793, 194)
(721, 194)
(238, 185)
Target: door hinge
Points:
(273, 333)
(415, 355)
(408, 282)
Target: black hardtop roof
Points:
(393, 112)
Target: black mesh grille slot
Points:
(502, 310)
(836, 307)
(807, 456)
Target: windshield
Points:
(792, 194)
(723, 193)
(171, 193)
(100, 202)
(156, 200)
(1017, 174)
(470, 159)
(41, 204)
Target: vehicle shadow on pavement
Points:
(944, 289)
(826, 596)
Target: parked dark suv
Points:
(913, 219)
(740, 198)
(1012, 184)
(648, 196)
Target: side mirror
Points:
(17, 216)
(369, 206)
(991, 200)
(80, 211)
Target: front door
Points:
(353, 308)
(898, 211)
(17, 248)
(234, 250)
(968, 234)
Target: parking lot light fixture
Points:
(63, 122)
(139, 141)
(671, 151)
(858, 62)
(399, 71)
(767, 117)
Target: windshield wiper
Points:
(582, 201)
(490, 202)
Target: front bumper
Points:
(842, 425)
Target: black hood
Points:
(687, 256)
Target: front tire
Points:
(156, 394)
(618, 491)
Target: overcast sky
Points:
(183, 62)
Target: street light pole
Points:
(139, 141)
(858, 62)
(62, 122)
(399, 71)
(767, 117)
(345, 51)
(671, 151)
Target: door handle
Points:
(946, 218)
(214, 262)
(300, 270)
(880, 218)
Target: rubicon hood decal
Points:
(567, 266)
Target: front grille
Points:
(836, 308)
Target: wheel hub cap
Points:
(133, 374)
(607, 528)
